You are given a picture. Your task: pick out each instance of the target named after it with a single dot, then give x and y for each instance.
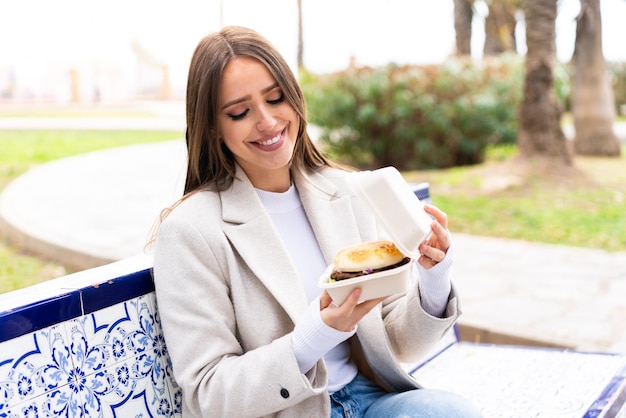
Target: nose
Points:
(266, 120)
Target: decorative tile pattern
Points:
(112, 362)
(34, 365)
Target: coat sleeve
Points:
(198, 320)
(411, 331)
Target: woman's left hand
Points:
(434, 249)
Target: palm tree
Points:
(500, 26)
(593, 104)
(540, 133)
(300, 41)
(463, 14)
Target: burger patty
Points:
(337, 275)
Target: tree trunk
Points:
(300, 41)
(540, 133)
(500, 27)
(463, 15)
(593, 104)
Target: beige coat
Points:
(229, 296)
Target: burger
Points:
(366, 258)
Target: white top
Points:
(312, 339)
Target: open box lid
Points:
(395, 205)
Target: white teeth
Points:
(270, 141)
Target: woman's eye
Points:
(277, 101)
(239, 115)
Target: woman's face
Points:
(257, 124)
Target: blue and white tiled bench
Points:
(90, 345)
(86, 345)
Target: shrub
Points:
(416, 117)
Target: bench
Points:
(86, 345)
(90, 344)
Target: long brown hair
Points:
(210, 164)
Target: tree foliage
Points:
(416, 117)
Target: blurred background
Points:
(77, 51)
(439, 89)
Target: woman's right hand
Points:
(345, 317)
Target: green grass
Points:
(76, 113)
(542, 217)
(22, 150)
(19, 270)
(585, 207)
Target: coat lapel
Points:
(256, 240)
(329, 211)
(251, 232)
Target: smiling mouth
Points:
(271, 141)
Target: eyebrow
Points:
(243, 99)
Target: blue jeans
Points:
(364, 399)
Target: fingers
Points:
(434, 249)
(439, 215)
(368, 305)
(430, 256)
(440, 238)
(432, 253)
(325, 300)
(345, 317)
(352, 305)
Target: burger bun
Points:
(370, 255)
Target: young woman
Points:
(237, 260)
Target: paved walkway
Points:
(101, 206)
